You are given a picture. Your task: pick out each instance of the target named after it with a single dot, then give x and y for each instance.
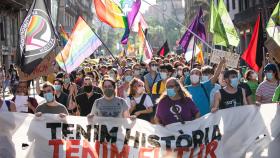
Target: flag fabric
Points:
(216, 27)
(111, 14)
(273, 25)
(199, 56)
(253, 55)
(164, 50)
(81, 44)
(197, 26)
(139, 19)
(192, 50)
(145, 50)
(37, 37)
(231, 33)
(64, 36)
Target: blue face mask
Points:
(57, 87)
(269, 76)
(67, 80)
(171, 92)
(49, 97)
(234, 82)
(128, 78)
(187, 74)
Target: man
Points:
(110, 105)
(51, 106)
(60, 96)
(86, 99)
(200, 91)
(231, 95)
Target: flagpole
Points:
(197, 36)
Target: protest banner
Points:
(273, 48)
(244, 131)
(47, 66)
(232, 59)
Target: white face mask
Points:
(204, 78)
(136, 72)
(140, 90)
(154, 68)
(180, 72)
(194, 79)
(163, 75)
(254, 76)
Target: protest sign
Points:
(273, 48)
(232, 59)
(47, 66)
(244, 131)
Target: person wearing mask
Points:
(231, 95)
(31, 103)
(80, 78)
(200, 91)
(60, 96)
(266, 89)
(140, 103)
(7, 106)
(136, 68)
(13, 79)
(86, 99)
(109, 105)
(95, 82)
(122, 90)
(51, 106)
(175, 104)
(113, 74)
(151, 77)
(252, 81)
(245, 86)
(69, 87)
(185, 79)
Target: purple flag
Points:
(197, 26)
(130, 19)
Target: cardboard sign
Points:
(232, 59)
(273, 48)
(47, 66)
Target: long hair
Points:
(182, 91)
(131, 90)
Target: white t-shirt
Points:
(147, 103)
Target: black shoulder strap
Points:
(8, 104)
(142, 99)
(204, 89)
(158, 86)
(154, 79)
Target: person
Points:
(69, 87)
(122, 90)
(185, 79)
(60, 96)
(175, 104)
(200, 91)
(136, 68)
(13, 79)
(95, 82)
(231, 95)
(80, 78)
(7, 106)
(109, 105)
(51, 106)
(266, 89)
(244, 86)
(139, 103)
(151, 77)
(86, 99)
(31, 102)
(252, 82)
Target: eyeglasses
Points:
(154, 64)
(171, 86)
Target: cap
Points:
(269, 67)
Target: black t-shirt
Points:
(62, 99)
(247, 89)
(231, 100)
(86, 103)
(95, 89)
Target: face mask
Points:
(109, 92)
(204, 78)
(143, 71)
(194, 79)
(140, 90)
(180, 72)
(269, 76)
(128, 78)
(49, 97)
(171, 92)
(234, 82)
(254, 76)
(113, 76)
(137, 72)
(87, 89)
(67, 80)
(187, 74)
(154, 68)
(163, 75)
(175, 74)
(57, 87)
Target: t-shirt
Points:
(266, 91)
(86, 103)
(62, 99)
(253, 86)
(59, 108)
(147, 103)
(167, 114)
(212, 93)
(109, 108)
(200, 97)
(276, 95)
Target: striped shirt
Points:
(266, 90)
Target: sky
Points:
(145, 6)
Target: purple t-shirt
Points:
(167, 115)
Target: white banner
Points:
(247, 131)
(232, 59)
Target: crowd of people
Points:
(165, 91)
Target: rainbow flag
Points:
(110, 13)
(63, 35)
(145, 50)
(81, 44)
(199, 56)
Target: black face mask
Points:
(87, 89)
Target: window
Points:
(228, 5)
(246, 4)
(240, 2)
(233, 4)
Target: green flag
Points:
(216, 27)
(273, 25)
(231, 33)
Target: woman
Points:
(185, 79)
(266, 89)
(175, 104)
(7, 106)
(151, 77)
(252, 82)
(122, 90)
(140, 103)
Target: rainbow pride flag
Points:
(63, 35)
(81, 44)
(145, 50)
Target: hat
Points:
(269, 67)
